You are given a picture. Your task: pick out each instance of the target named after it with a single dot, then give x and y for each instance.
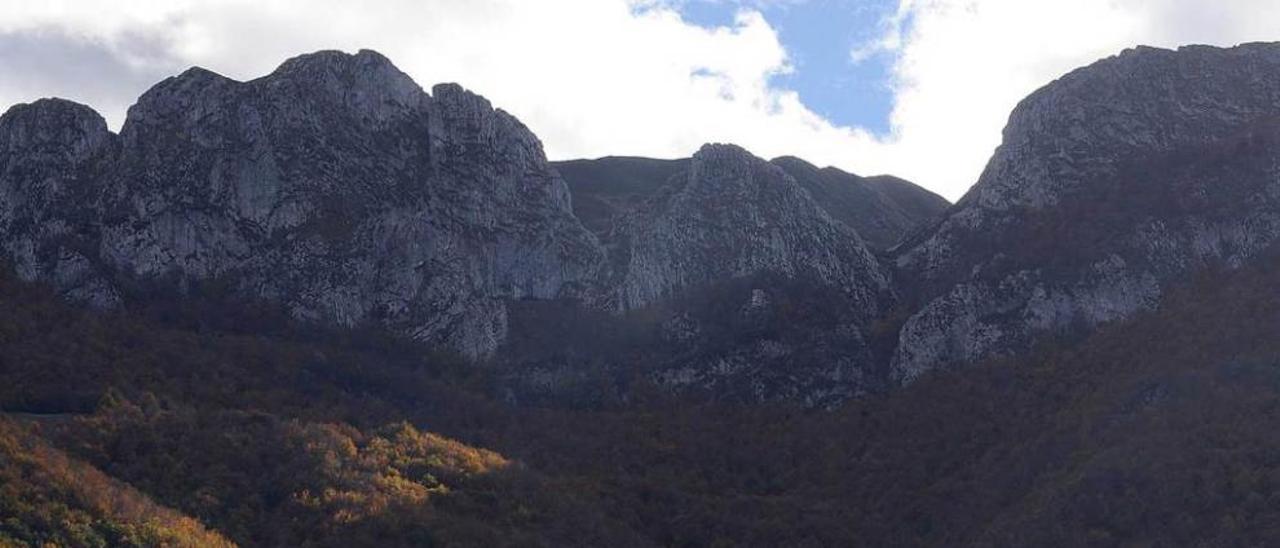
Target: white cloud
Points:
(597, 77)
(960, 66)
(591, 77)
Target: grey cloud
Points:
(51, 63)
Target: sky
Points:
(915, 88)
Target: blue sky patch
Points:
(819, 36)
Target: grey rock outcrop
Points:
(1112, 183)
(334, 185)
(53, 154)
(339, 189)
(732, 215)
(751, 290)
(882, 209)
(606, 189)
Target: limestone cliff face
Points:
(1112, 183)
(732, 215)
(882, 209)
(334, 185)
(736, 283)
(52, 156)
(337, 187)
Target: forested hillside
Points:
(1157, 430)
(47, 498)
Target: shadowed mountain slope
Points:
(1113, 183)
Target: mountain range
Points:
(332, 249)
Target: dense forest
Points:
(206, 423)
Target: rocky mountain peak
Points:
(1112, 183)
(727, 277)
(366, 85)
(53, 126)
(882, 210)
(727, 154)
(1144, 100)
(454, 94)
(731, 215)
(364, 62)
(333, 186)
(478, 131)
(336, 187)
(725, 175)
(340, 71)
(178, 96)
(53, 156)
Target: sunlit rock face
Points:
(1112, 183)
(334, 185)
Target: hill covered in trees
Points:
(1157, 429)
(47, 498)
